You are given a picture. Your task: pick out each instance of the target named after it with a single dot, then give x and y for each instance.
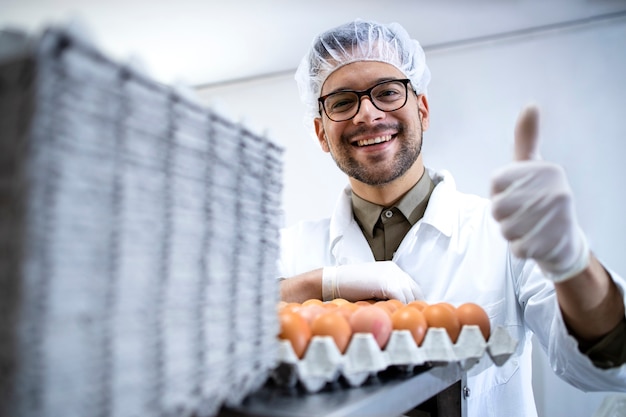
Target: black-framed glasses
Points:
(385, 96)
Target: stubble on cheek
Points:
(377, 168)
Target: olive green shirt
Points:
(385, 227)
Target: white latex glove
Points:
(381, 280)
(534, 204)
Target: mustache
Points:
(362, 130)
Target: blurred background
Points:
(487, 58)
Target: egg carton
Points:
(323, 364)
(136, 226)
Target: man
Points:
(402, 231)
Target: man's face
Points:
(352, 142)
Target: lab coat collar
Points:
(443, 206)
(347, 243)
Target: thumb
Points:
(526, 134)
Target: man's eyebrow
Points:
(377, 81)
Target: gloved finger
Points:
(529, 215)
(538, 184)
(411, 291)
(513, 173)
(396, 292)
(416, 292)
(528, 246)
(526, 134)
(524, 202)
(508, 200)
(543, 229)
(516, 184)
(402, 291)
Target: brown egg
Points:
(335, 325)
(365, 302)
(312, 301)
(473, 314)
(411, 319)
(310, 311)
(372, 319)
(340, 301)
(389, 308)
(450, 306)
(396, 303)
(419, 304)
(288, 306)
(346, 310)
(441, 315)
(295, 329)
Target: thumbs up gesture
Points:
(532, 201)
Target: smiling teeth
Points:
(373, 141)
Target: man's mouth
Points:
(373, 141)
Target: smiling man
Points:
(402, 231)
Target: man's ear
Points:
(321, 134)
(422, 108)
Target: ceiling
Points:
(211, 42)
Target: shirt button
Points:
(388, 214)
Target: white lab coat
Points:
(456, 253)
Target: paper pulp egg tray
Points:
(324, 364)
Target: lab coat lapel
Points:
(347, 243)
(442, 208)
(441, 211)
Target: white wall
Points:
(577, 78)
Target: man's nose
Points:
(368, 112)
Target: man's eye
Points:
(341, 104)
(388, 94)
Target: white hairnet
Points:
(359, 40)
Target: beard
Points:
(377, 171)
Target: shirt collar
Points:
(411, 205)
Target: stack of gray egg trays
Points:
(139, 236)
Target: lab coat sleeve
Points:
(543, 315)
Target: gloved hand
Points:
(380, 280)
(533, 202)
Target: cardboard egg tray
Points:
(139, 233)
(324, 364)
